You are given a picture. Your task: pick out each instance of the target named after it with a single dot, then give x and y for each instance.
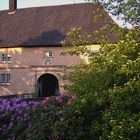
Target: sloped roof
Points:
(42, 26)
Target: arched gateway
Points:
(47, 85)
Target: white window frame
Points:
(48, 54)
(6, 58)
(5, 79)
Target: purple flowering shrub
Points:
(61, 99)
(18, 116)
(14, 113)
(55, 119)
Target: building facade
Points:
(22, 68)
(30, 46)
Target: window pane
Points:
(48, 54)
(3, 57)
(8, 79)
(3, 79)
(6, 57)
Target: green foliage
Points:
(127, 10)
(110, 83)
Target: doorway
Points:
(47, 85)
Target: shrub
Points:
(14, 117)
(109, 87)
(52, 118)
(56, 120)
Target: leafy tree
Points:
(108, 86)
(129, 10)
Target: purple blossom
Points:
(46, 100)
(16, 112)
(35, 104)
(10, 125)
(59, 99)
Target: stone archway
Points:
(47, 85)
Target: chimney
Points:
(12, 6)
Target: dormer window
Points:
(6, 57)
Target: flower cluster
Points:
(61, 97)
(14, 112)
(17, 112)
(46, 100)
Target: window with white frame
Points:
(48, 54)
(48, 58)
(5, 79)
(6, 57)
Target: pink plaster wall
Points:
(23, 76)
